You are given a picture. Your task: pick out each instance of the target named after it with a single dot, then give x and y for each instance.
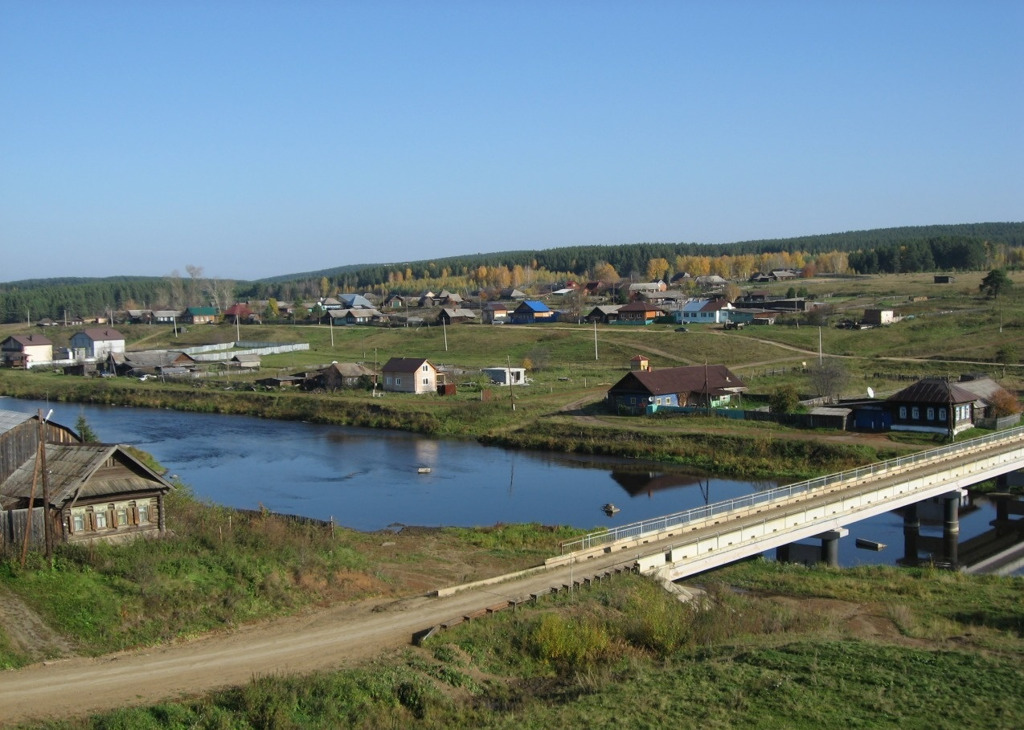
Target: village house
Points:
(531, 311)
(200, 315)
(646, 287)
(495, 313)
(932, 405)
(453, 316)
(704, 311)
(339, 375)
(24, 351)
(638, 312)
(410, 375)
(604, 314)
(96, 343)
(96, 492)
(150, 362)
(166, 316)
(238, 313)
(19, 438)
(644, 390)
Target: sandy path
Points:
(322, 640)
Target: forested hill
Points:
(920, 248)
(627, 258)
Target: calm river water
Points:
(368, 479)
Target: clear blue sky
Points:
(258, 138)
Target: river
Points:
(369, 479)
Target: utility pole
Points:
(595, 339)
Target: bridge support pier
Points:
(830, 545)
(911, 533)
(827, 553)
(951, 526)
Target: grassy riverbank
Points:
(773, 646)
(710, 445)
(218, 568)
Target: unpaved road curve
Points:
(322, 640)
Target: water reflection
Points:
(368, 479)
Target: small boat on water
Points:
(609, 509)
(423, 470)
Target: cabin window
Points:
(915, 413)
(426, 368)
(143, 512)
(398, 381)
(122, 516)
(903, 412)
(942, 414)
(100, 519)
(78, 522)
(931, 414)
(426, 381)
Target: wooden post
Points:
(28, 523)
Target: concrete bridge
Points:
(682, 544)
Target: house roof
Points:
(405, 364)
(638, 306)
(933, 390)
(984, 388)
(102, 334)
(12, 419)
(152, 358)
(459, 313)
(715, 305)
(29, 340)
(83, 470)
(713, 379)
(202, 311)
(355, 300)
(349, 369)
(534, 305)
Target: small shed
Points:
(505, 375)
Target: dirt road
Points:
(322, 640)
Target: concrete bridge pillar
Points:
(951, 526)
(830, 546)
(911, 533)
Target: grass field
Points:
(771, 646)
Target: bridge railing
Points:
(697, 514)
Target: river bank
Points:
(713, 446)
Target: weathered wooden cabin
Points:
(19, 439)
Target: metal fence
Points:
(696, 514)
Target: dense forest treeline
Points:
(891, 250)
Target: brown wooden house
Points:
(96, 492)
